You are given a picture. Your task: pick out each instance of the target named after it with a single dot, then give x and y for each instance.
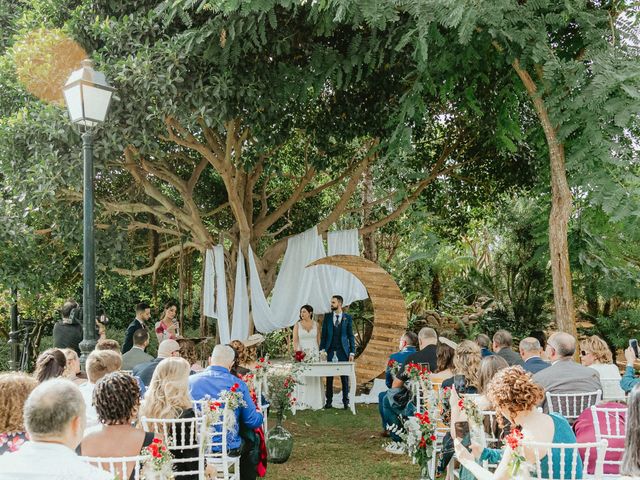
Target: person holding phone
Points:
(629, 379)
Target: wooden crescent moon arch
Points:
(389, 312)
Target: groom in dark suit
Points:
(337, 338)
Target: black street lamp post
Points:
(88, 96)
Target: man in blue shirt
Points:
(211, 382)
(408, 344)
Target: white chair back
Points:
(215, 449)
(611, 390)
(178, 434)
(609, 424)
(120, 467)
(566, 459)
(571, 405)
(200, 407)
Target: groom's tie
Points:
(337, 320)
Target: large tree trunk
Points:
(561, 204)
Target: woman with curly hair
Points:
(168, 398)
(116, 398)
(516, 397)
(50, 364)
(466, 367)
(14, 390)
(596, 354)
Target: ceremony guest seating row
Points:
(569, 454)
(183, 434)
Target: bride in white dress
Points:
(306, 337)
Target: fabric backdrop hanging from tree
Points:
(215, 291)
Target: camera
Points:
(460, 384)
(76, 314)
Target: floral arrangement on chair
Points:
(262, 370)
(475, 419)
(518, 461)
(159, 466)
(224, 407)
(419, 438)
(394, 367)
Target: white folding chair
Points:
(571, 405)
(178, 434)
(609, 424)
(215, 449)
(264, 407)
(566, 458)
(120, 467)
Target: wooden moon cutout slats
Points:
(389, 312)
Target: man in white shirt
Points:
(99, 363)
(54, 416)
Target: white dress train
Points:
(309, 392)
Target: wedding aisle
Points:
(330, 444)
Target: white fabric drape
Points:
(345, 242)
(209, 293)
(222, 310)
(297, 285)
(240, 327)
(215, 291)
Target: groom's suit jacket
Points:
(347, 339)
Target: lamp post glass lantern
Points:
(88, 96)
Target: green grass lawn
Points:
(335, 444)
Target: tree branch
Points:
(160, 258)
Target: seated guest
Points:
(489, 366)
(408, 344)
(586, 433)
(531, 352)
(190, 354)
(595, 353)
(168, 397)
(250, 356)
(50, 364)
(630, 468)
(564, 375)
(484, 342)
(240, 358)
(137, 354)
(426, 356)
(166, 349)
(515, 397)
(117, 399)
(502, 342)
(99, 364)
(444, 360)
(72, 370)
(108, 344)
(466, 366)
(14, 390)
(211, 382)
(541, 337)
(54, 419)
(629, 379)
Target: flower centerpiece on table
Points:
(159, 466)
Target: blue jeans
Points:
(381, 397)
(392, 413)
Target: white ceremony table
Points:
(333, 369)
